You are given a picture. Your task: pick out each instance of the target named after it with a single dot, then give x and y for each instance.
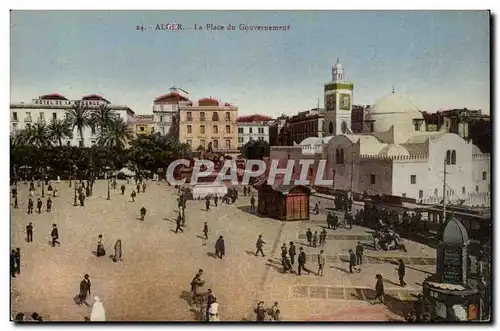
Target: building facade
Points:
(53, 106)
(209, 124)
(306, 124)
(277, 136)
(253, 127)
(395, 155)
(166, 110)
(142, 125)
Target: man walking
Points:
(49, 205)
(84, 290)
(379, 288)
(315, 239)
(39, 205)
(123, 189)
(322, 237)
(401, 272)
(18, 260)
(321, 262)
(29, 232)
(359, 253)
(216, 200)
(132, 195)
(260, 244)
(178, 222)
(143, 213)
(252, 203)
(205, 230)
(55, 235)
(292, 252)
(207, 203)
(220, 247)
(30, 206)
(352, 262)
(302, 262)
(13, 263)
(309, 236)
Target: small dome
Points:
(393, 110)
(311, 141)
(455, 232)
(394, 150)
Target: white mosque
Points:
(394, 155)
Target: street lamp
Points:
(74, 184)
(43, 184)
(108, 177)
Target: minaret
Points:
(338, 103)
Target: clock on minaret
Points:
(345, 101)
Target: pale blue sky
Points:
(437, 59)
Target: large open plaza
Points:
(152, 283)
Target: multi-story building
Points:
(358, 118)
(166, 109)
(142, 125)
(307, 124)
(253, 127)
(469, 124)
(276, 134)
(209, 123)
(53, 106)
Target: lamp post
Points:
(43, 184)
(74, 184)
(108, 177)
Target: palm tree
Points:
(117, 135)
(103, 117)
(79, 116)
(60, 129)
(37, 135)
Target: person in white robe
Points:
(98, 313)
(213, 311)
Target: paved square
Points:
(152, 283)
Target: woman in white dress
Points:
(98, 313)
(213, 311)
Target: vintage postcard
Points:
(250, 166)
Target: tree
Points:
(37, 135)
(60, 129)
(256, 150)
(79, 116)
(117, 135)
(103, 117)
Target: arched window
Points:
(453, 157)
(337, 156)
(330, 127)
(342, 156)
(448, 157)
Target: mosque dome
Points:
(394, 150)
(455, 232)
(393, 110)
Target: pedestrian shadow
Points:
(196, 314)
(212, 255)
(169, 220)
(76, 299)
(340, 269)
(187, 296)
(94, 253)
(250, 253)
(204, 209)
(391, 282)
(275, 267)
(172, 230)
(249, 210)
(138, 218)
(201, 237)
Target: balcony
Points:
(28, 119)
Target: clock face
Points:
(344, 101)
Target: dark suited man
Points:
(55, 235)
(39, 205)
(18, 260)
(292, 252)
(302, 262)
(13, 263)
(178, 222)
(29, 232)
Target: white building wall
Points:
(403, 170)
(252, 131)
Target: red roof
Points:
(171, 95)
(53, 96)
(208, 102)
(94, 97)
(253, 118)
